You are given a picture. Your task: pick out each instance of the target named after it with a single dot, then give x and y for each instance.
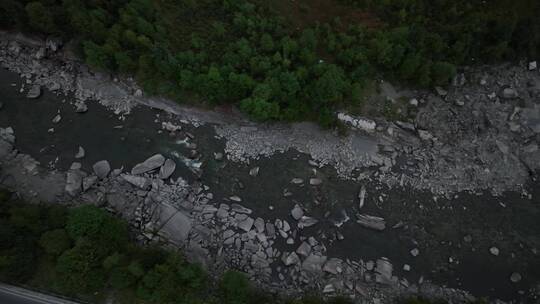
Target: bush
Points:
(55, 242)
(234, 288)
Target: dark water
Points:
(437, 228)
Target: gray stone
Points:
(89, 181)
(149, 164)
(306, 221)
(297, 181)
(361, 197)
(297, 212)
(81, 107)
(34, 92)
(494, 251)
(102, 168)
(75, 166)
(304, 249)
(371, 222)
(137, 181)
(415, 252)
(315, 181)
(254, 172)
(74, 180)
(533, 65)
(246, 224)
(333, 266)
(240, 209)
(5, 148)
(515, 277)
(259, 225)
(218, 156)
(329, 288)
(290, 259)
(383, 271)
(167, 169)
(314, 263)
(270, 230)
(81, 153)
(406, 267)
(235, 198)
(56, 119)
(509, 93)
(442, 92)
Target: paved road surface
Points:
(16, 295)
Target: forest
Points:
(243, 52)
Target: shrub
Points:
(55, 242)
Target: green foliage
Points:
(55, 242)
(40, 17)
(97, 226)
(234, 288)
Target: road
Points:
(16, 295)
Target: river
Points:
(453, 236)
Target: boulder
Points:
(314, 263)
(74, 180)
(333, 266)
(290, 259)
(304, 249)
(494, 251)
(34, 92)
(88, 182)
(415, 252)
(533, 65)
(371, 222)
(306, 221)
(297, 181)
(383, 271)
(167, 169)
(361, 197)
(246, 224)
(81, 153)
(102, 168)
(137, 181)
(297, 212)
(149, 164)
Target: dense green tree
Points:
(442, 72)
(40, 17)
(234, 288)
(55, 242)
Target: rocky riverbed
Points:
(392, 208)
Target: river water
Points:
(439, 228)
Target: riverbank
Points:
(241, 161)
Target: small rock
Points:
(57, 119)
(297, 212)
(304, 249)
(218, 156)
(533, 65)
(138, 93)
(442, 92)
(74, 182)
(361, 196)
(315, 181)
(413, 102)
(34, 92)
(372, 222)
(494, 251)
(102, 168)
(329, 288)
(239, 208)
(515, 277)
(509, 93)
(254, 172)
(75, 166)
(415, 252)
(235, 198)
(81, 153)
(467, 238)
(246, 224)
(406, 267)
(297, 181)
(290, 259)
(81, 107)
